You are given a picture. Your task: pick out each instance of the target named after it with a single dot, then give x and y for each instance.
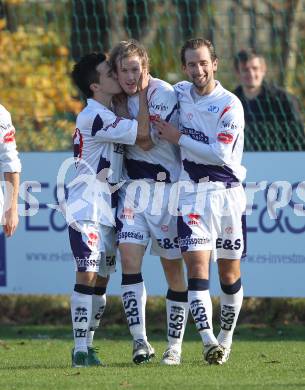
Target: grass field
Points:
(38, 357)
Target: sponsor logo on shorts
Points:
(167, 243)
(86, 262)
(194, 219)
(228, 244)
(124, 235)
(164, 228)
(127, 213)
(92, 239)
(193, 241)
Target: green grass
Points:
(38, 357)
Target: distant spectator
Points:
(272, 115)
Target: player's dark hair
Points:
(125, 49)
(84, 72)
(194, 44)
(246, 55)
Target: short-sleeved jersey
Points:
(9, 160)
(98, 149)
(163, 157)
(213, 135)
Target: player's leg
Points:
(98, 307)
(197, 263)
(134, 297)
(230, 247)
(195, 241)
(231, 299)
(133, 237)
(107, 267)
(83, 240)
(177, 309)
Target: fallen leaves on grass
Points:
(125, 384)
(4, 345)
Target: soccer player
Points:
(152, 167)
(211, 140)
(10, 166)
(98, 148)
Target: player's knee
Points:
(86, 278)
(198, 271)
(101, 281)
(229, 277)
(130, 264)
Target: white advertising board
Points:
(38, 260)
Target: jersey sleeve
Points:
(107, 127)
(229, 129)
(163, 104)
(9, 160)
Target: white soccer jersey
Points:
(213, 135)
(98, 149)
(9, 160)
(163, 157)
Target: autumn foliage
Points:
(36, 88)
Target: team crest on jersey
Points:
(127, 213)
(229, 230)
(189, 116)
(225, 138)
(92, 239)
(164, 228)
(194, 219)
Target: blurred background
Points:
(41, 39)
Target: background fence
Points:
(40, 40)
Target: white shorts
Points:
(93, 246)
(219, 226)
(153, 223)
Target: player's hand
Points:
(143, 80)
(11, 221)
(167, 131)
(120, 105)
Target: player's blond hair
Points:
(125, 49)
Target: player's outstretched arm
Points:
(143, 136)
(11, 218)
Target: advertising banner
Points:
(38, 259)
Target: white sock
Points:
(177, 315)
(81, 308)
(98, 308)
(201, 309)
(230, 305)
(134, 303)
